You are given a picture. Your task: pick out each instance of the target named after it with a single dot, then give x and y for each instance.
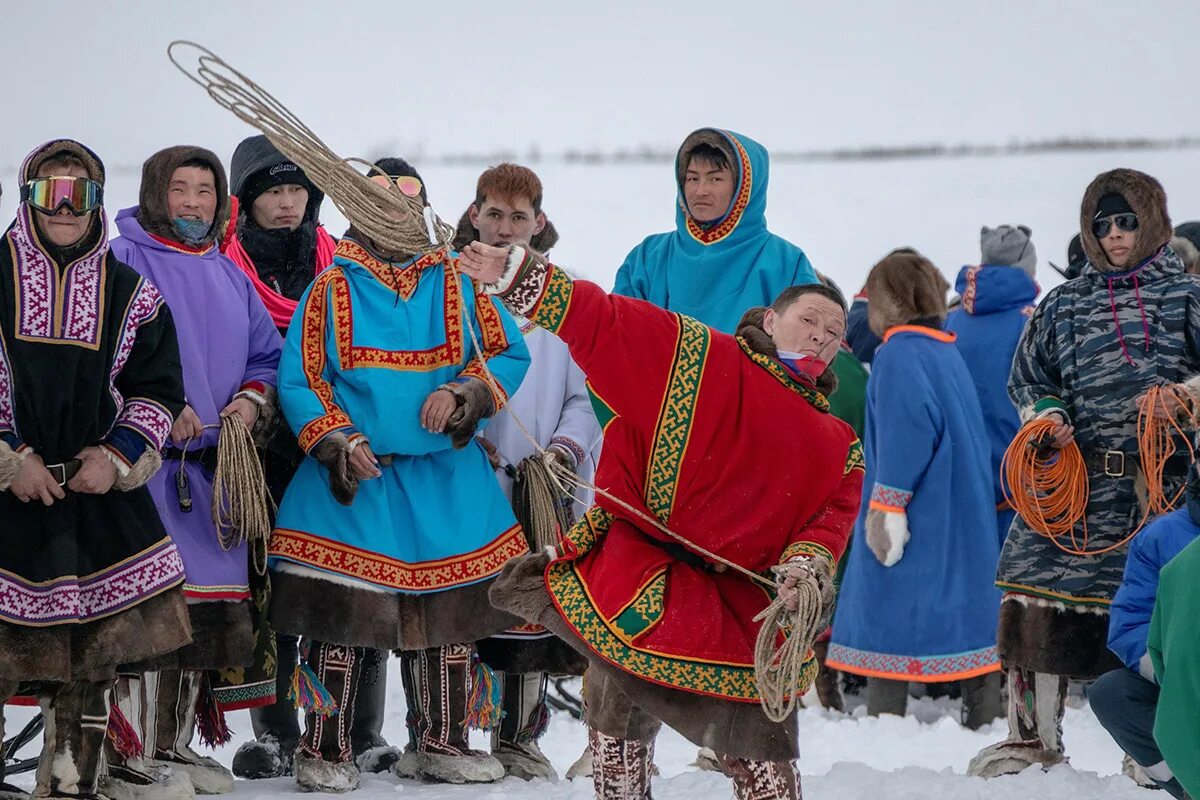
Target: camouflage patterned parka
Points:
(1092, 347)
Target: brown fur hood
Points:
(152, 199)
(904, 287)
(466, 233)
(708, 136)
(1148, 200)
(34, 160)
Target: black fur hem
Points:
(1054, 640)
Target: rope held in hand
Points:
(1049, 488)
(374, 210)
(240, 497)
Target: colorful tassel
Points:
(210, 719)
(122, 735)
(484, 698)
(307, 692)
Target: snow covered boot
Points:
(125, 775)
(828, 691)
(169, 723)
(707, 760)
(524, 720)
(582, 768)
(264, 757)
(620, 767)
(76, 717)
(437, 685)
(372, 753)
(1036, 702)
(762, 780)
(324, 760)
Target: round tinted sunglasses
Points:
(1125, 222)
(408, 185)
(80, 195)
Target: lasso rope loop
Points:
(391, 219)
(1049, 488)
(403, 225)
(240, 498)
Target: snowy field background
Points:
(843, 757)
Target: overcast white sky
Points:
(473, 76)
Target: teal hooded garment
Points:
(714, 272)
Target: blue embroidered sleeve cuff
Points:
(889, 498)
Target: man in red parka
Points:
(727, 441)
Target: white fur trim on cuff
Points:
(516, 256)
(252, 396)
(118, 462)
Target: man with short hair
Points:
(89, 386)
(720, 260)
(553, 405)
(229, 348)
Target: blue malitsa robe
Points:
(932, 616)
(714, 272)
(997, 302)
(367, 346)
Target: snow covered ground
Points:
(844, 757)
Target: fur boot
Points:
(437, 687)
(707, 760)
(828, 691)
(76, 717)
(168, 724)
(7, 790)
(762, 780)
(582, 768)
(620, 767)
(325, 757)
(514, 740)
(1036, 702)
(264, 757)
(125, 775)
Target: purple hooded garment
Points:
(226, 341)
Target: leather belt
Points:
(1118, 463)
(65, 471)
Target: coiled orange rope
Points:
(1049, 487)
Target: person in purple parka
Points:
(229, 348)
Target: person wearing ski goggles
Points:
(65, 199)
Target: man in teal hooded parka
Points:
(720, 260)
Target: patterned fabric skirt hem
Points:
(919, 669)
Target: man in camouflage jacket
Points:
(1092, 349)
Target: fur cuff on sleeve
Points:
(269, 417)
(517, 256)
(142, 471)
(10, 464)
(523, 281)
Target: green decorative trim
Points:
(231, 698)
(583, 534)
(815, 398)
(726, 681)
(605, 413)
(551, 309)
(855, 458)
(1058, 597)
(674, 428)
(807, 549)
(645, 610)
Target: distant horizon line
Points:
(911, 152)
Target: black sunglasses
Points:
(1126, 222)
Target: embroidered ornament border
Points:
(551, 308)
(727, 226)
(922, 669)
(815, 398)
(725, 681)
(338, 558)
(678, 409)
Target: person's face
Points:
(504, 222)
(280, 207)
(62, 229)
(1118, 244)
(707, 190)
(812, 324)
(192, 194)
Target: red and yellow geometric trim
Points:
(390, 573)
(811, 549)
(322, 426)
(402, 280)
(738, 207)
(855, 458)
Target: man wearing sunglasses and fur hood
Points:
(1092, 349)
(90, 383)
(394, 526)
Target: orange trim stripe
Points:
(941, 336)
(950, 676)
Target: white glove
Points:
(887, 533)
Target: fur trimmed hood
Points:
(1148, 200)
(152, 212)
(708, 136)
(466, 233)
(34, 160)
(904, 287)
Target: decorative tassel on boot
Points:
(210, 719)
(484, 710)
(307, 692)
(122, 735)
